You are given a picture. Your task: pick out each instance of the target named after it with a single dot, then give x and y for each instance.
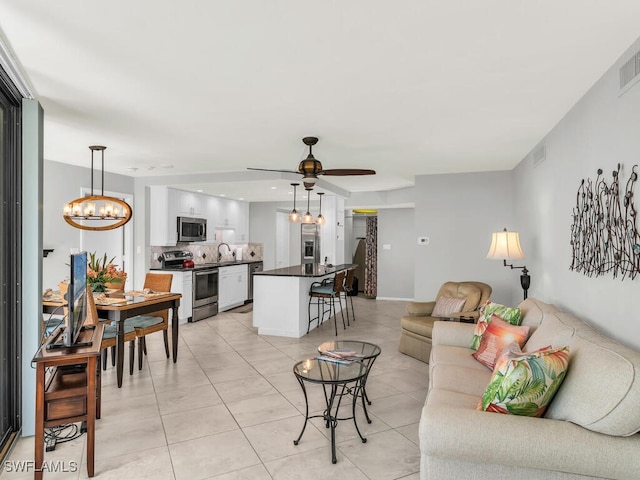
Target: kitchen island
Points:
(281, 298)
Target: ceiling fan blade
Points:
(272, 170)
(343, 172)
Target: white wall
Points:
(602, 130)
(458, 212)
(62, 183)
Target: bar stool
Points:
(330, 291)
(348, 292)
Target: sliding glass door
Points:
(10, 261)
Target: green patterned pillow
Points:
(525, 384)
(508, 314)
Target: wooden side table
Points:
(68, 390)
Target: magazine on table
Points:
(340, 356)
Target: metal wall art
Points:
(604, 234)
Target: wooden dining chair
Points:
(156, 321)
(109, 335)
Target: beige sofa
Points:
(589, 430)
(417, 324)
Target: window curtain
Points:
(371, 259)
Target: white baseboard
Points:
(395, 298)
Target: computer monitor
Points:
(76, 299)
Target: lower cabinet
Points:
(182, 283)
(233, 284)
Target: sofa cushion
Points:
(524, 384)
(552, 331)
(533, 310)
(446, 306)
(601, 391)
(454, 378)
(498, 335)
(452, 355)
(508, 314)
(419, 325)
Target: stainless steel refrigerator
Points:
(310, 245)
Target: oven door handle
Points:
(205, 272)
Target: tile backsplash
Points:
(209, 253)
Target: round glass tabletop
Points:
(320, 371)
(364, 349)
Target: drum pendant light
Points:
(107, 212)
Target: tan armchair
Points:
(415, 339)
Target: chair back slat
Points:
(338, 281)
(159, 282)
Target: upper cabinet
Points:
(163, 214)
(166, 204)
(191, 204)
(233, 220)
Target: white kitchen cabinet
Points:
(163, 228)
(182, 283)
(211, 214)
(233, 220)
(190, 204)
(233, 285)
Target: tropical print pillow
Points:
(525, 384)
(496, 337)
(511, 315)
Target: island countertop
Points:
(300, 271)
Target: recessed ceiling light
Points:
(241, 198)
(199, 190)
(274, 188)
(132, 169)
(222, 195)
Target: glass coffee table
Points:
(368, 352)
(337, 380)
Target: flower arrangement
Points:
(101, 271)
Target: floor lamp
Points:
(506, 246)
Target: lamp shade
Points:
(505, 245)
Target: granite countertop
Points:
(299, 270)
(201, 266)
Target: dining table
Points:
(117, 307)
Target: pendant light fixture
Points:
(308, 218)
(320, 220)
(110, 212)
(294, 216)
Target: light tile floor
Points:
(231, 407)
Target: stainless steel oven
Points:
(205, 293)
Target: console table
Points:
(68, 390)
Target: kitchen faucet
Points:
(220, 254)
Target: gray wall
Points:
(62, 183)
(395, 266)
(458, 212)
(601, 130)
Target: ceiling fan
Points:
(310, 167)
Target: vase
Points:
(98, 287)
(117, 286)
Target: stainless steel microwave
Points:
(192, 229)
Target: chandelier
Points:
(104, 212)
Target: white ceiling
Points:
(407, 87)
